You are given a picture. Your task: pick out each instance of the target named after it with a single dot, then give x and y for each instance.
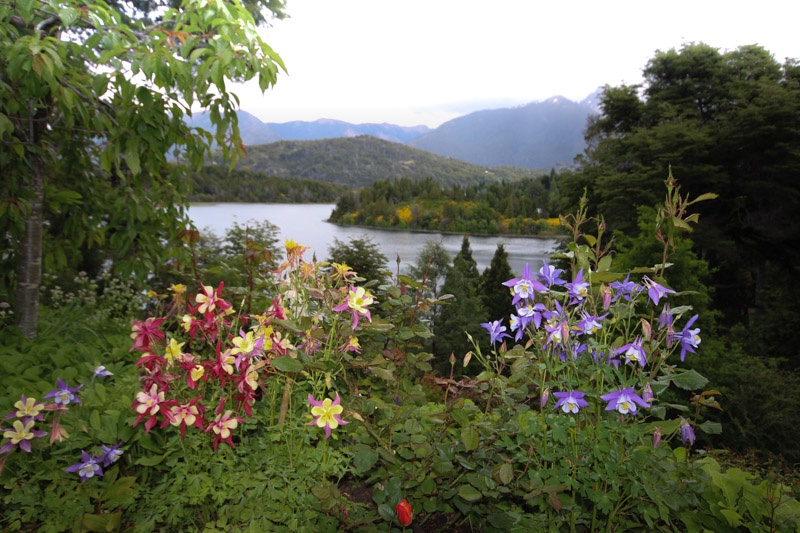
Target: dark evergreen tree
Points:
(495, 296)
(463, 314)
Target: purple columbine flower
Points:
(524, 287)
(578, 288)
(574, 349)
(655, 291)
(633, 351)
(64, 395)
(690, 338)
(625, 288)
(496, 329)
(687, 432)
(532, 311)
(111, 454)
(624, 401)
(570, 402)
(550, 276)
(590, 324)
(518, 323)
(101, 372)
(656, 437)
(87, 467)
(665, 318)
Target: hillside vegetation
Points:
(516, 208)
(359, 161)
(216, 184)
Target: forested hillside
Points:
(359, 161)
(517, 208)
(215, 183)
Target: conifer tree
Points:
(465, 312)
(496, 297)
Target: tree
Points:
(432, 265)
(727, 123)
(495, 296)
(97, 95)
(362, 255)
(463, 314)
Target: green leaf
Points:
(6, 126)
(68, 15)
(710, 427)
(470, 437)
(150, 461)
(364, 459)
(689, 380)
(469, 493)
(287, 363)
(604, 265)
(503, 473)
(101, 522)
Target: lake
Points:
(306, 225)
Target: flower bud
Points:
(656, 437)
(647, 330)
(606, 297)
(545, 397)
(404, 512)
(647, 392)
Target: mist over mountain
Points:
(255, 132)
(539, 135)
(327, 128)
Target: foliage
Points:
(358, 161)
(727, 122)
(216, 183)
(93, 98)
(244, 257)
(585, 420)
(509, 207)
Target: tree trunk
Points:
(29, 269)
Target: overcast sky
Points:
(411, 62)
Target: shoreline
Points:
(556, 237)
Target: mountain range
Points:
(539, 135)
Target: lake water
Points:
(305, 224)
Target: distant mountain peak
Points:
(539, 135)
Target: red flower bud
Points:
(404, 512)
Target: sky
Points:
(424, 62)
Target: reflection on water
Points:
(305, 224)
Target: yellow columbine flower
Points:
(359, 300)
(29, 408)
(173, 351)
(245, 344)
(327, 412)
(197, 373)
(20, 432)
(177, 288)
